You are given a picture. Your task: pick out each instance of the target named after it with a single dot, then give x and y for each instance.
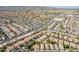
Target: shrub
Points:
(66, 46)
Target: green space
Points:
(70, 48)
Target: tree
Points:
(21, 45)
(66, 46)
(3, 49)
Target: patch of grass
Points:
(61, 26)
(70, 50)
(35, 42)
(51, 41)
(73, 48)
(77, 37)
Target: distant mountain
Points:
(67, 7)
(23, 7)
(36, 7)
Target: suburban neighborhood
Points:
(39, 29)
